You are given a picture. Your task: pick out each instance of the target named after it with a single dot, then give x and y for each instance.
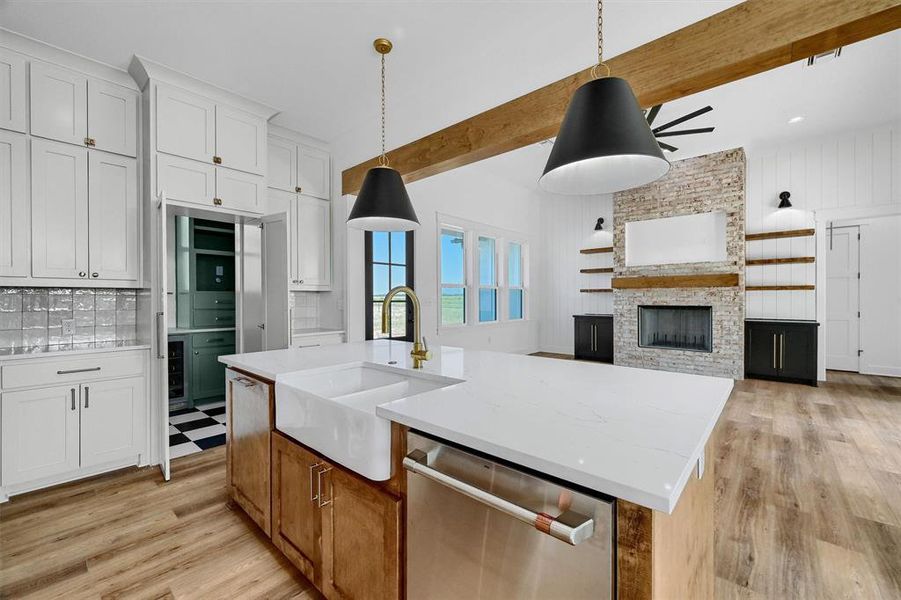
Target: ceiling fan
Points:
(661, 131)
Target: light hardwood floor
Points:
(808, 506)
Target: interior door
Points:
(843, 299)
(275, 282)
(114, 247)
(161, 401)
(113, 117)
(111, 418)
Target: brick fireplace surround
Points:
(715, 182)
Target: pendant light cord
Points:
(600, 63)
(383, 158)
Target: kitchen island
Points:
(634, 436)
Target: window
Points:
(487, 280)
(514, 281)
(453, 278)
(389, 263)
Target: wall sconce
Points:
(785, 202)
(599, 226)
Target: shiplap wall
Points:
(851, 170)
(567, 226)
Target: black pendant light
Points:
(383, 203)
(605, 143)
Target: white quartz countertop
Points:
(67, 349)
(634, 434)
(314, 331)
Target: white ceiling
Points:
(314, 60)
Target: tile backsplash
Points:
(34, 316)
(304, 310)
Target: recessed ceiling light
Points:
(797, 119)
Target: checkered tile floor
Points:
(194, 429)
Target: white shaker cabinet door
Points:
(13, 205)
(185, 124)
(114, 247)
(313, 248)
(112, 420)
(241, 191)
(281, 164)
(113, 118)
(240, 140)
(12, 91)
(59, 210)
(313, 172)
(58, 104)
(186, 180)
(40, 433)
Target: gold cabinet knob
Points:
(90, 142)
(217, 201)
(217, 160)
(298, 189)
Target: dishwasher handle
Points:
(570, 527)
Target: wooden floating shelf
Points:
(595, 290)
(777, 288)
(676, 281)
(780, 261)
(773, 235)
(597, 270)
(596, 250)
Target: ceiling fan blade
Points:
(684, 132)
(652, 114)
(666, 146)
(687, 117)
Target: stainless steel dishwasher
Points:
(477, 528)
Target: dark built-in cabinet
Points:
(594, 337)
(781, 350)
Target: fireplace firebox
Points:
(676, 327)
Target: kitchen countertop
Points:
(189, 330)
(634, 434)
(66, 349)
(314, 331)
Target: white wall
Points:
(567, 226)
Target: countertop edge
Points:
(73, 352)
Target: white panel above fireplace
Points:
(672, 240)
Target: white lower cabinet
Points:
(111, 420)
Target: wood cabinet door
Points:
(281, 164)
(13, 204)
(241, 191)
(250, 420)
(240, 140)
(603, 339)
(113, 117)
(207, 373)
(582, 336)
(114, 246)
(313, 247)
(59, 109)
(40, 433)
(797, 352)
(296, 516)
(13, 91)
(185, 124)
(59, 210)
(112, 420)
(313, 172)
(185, 180)
(761, 349)
(360, 539)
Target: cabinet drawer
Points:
(219, 300)
(213, 318)
(91, 367)
(213, 339)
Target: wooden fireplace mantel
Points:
(676, 281)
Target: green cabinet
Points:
(207, 373)
(205, 273)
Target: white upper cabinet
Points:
(58, 103)
(112, 118)
(312, 247)
(313, 172)
(13, 94)
(240, 140)
(114, 245)
(240, 191)
(112, 413)
(59, 210)
(185, 124)
(13, 205)
(282, 164)
(185, 180)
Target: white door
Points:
(111, 420)
(843, 299)
(240, 191)
(13, 91)
(281, 164)
(40, 433)
(313, 172)
(313, 247)
(275, 282)
(160, 412)
(186, 180)
(185, 124)
(59, 108)
(114, 247)
(13, 205)
(59, 210)
(240, 140)
(113, 117)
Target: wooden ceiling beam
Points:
(750, 38)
